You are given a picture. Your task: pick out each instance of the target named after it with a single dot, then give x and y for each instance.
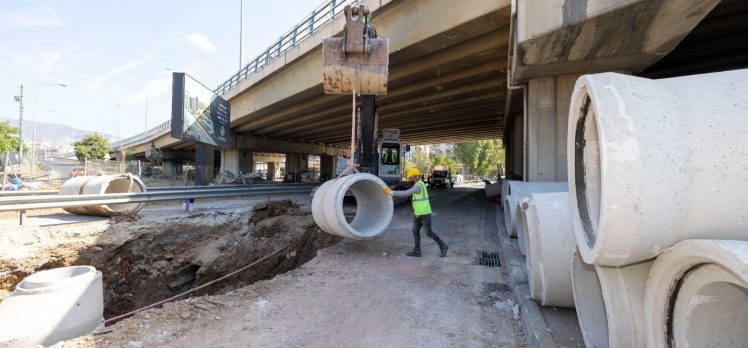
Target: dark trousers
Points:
(424, 221)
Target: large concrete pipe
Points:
(697, 295)
(655, 162)
(373, 208)
(521, 219)
(520, 189)
(90, 185)
(551, 246)
(51, 306)
(609, 303)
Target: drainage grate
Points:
(490, 259)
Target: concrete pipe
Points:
(521, 218)
(52, 306)
(551, 246)
(493, 190)
(517, 191)
(697, 295)
(609, 303)
(92, 185)
(373, 208)
(656, 162)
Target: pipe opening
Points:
(711, 307)
(123, 185)
(587, 171)
(372, 208)
(590, 306)
(53, 277)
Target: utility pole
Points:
(241, 32)
(19, 99)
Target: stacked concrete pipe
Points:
(697, 295)
(656, 162)
(609, 302)
(550, 247)
(52, 306)
(99, 185)
(521, 218)
(517, 190)
(373, 208)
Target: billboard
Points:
(197, 113)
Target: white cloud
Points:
(114, 72)
(47, 17)
(201, 41)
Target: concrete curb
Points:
(537, 332)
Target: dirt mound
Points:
(183, 252)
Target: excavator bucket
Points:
(355, 60)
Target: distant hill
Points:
(53, 133)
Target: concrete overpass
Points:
(466, 70)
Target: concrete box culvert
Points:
(655, 162)
(609, 303)
(51, 306)
(551, 246)
(519, 190)
(89, 185)
(697, 295)
(374, 209)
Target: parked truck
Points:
(441, 176)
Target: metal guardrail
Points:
(46, 202)
(5, 194)
(323, 14)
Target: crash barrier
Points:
(516, 190)
(105, 184)
(52, 306)
(655, 162)
(373, 208)
(550, 245)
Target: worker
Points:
(421, 210)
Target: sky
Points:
(117, 57)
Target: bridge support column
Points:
(204, 164)
(327, 167)
(235, 160)
(546, 128)
(295, 165)
(514, 145)
(271, 171)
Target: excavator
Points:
(357, 64)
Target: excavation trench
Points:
(184, 252)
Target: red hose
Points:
(159, 303)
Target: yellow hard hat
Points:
(412, 171)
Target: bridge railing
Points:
(323, 14)
(138, 138)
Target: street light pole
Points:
(241, 32)
(19, 99)
(33, 133)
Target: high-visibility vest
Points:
(421, 205)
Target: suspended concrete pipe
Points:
(373, 208)
(609, 303)
(551, 246)
(697, 295)
(92, 185)
(656, 162)
(51, 306)
(520, 189)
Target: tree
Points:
(8, 138)
(480, 157)
(440, 159)
(421, 161)
(92, 146)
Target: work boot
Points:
(414, 253)
(444, 249)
